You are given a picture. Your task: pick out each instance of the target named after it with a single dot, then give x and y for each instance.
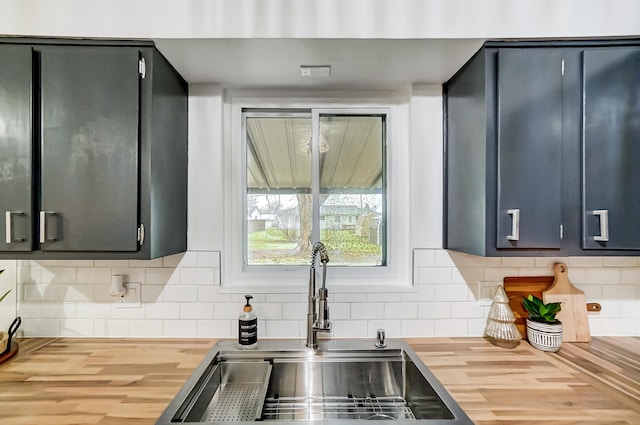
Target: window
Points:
(330, 166)
(314, 175)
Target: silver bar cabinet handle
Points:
(43, 226)
(515, 224)
(604, 225)
(8, 232)
(8, 218)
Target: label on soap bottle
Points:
(248, 331)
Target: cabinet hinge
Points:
(561, 231)
(141, 234)
(562, 68)
(142, 68)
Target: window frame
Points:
(395, 275)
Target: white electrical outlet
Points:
(131, 299)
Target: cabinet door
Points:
(529, 105)
(89, 148)
(16, 153)
(611, 148)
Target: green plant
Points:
(539, 311)
(6, 293)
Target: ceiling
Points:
(355, 63)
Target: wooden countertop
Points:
(131, 381)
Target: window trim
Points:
(396, 275)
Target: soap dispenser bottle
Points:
(248, 326)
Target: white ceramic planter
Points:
(544, 336)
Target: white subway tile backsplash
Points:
(76, 327)
(434, 276)
(350, 297)
(193, 276)
(499, 273)
(392, 329)
(180, 328)
(451, 327)
(583, 262)
(160, 276)
(298, 311)
(94, 275)
(196, 311)
(452, 293)
(180, 297)
(386, 296)
(434, 310)
(620, 261)
(591, 292)
(518, 262)
(111, 327)
(146, 328)
(618, 292)
(209, 259)
(282, 329)
(444, 259)
(337, 311)
(476, 326)
(468, 275)
(630, 276)
(157, 262)
(228, 311)
(349, 328)
(162, 310)
(603, 275)
(418, 328)
(132, 274)
(367, 310)
(180, 293)
(58, 310)
(424, 258)
(285, 298)
(111, 263)
(268, 311)
(56, 275)
(76, 292)
(214, 328)
(149, 294)
(629, 310)
(92, 310)
(406, 310)
(185, 259)
(467, 310)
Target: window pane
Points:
(280, 194)
(278, 185)
(352, 207)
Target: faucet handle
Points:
(380, 339)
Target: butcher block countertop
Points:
(130, 381)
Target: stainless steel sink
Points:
(285, 382)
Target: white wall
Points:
(181, 294)
(320, 18)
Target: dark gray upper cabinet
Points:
(105, 141)
(611, 148)
(529, 131)
(16, 149)
(541, 145)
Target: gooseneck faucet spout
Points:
(318, 315)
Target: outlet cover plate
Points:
(132, 297)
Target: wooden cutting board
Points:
(575, 324)
(518, 287)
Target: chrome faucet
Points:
(317, 318)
